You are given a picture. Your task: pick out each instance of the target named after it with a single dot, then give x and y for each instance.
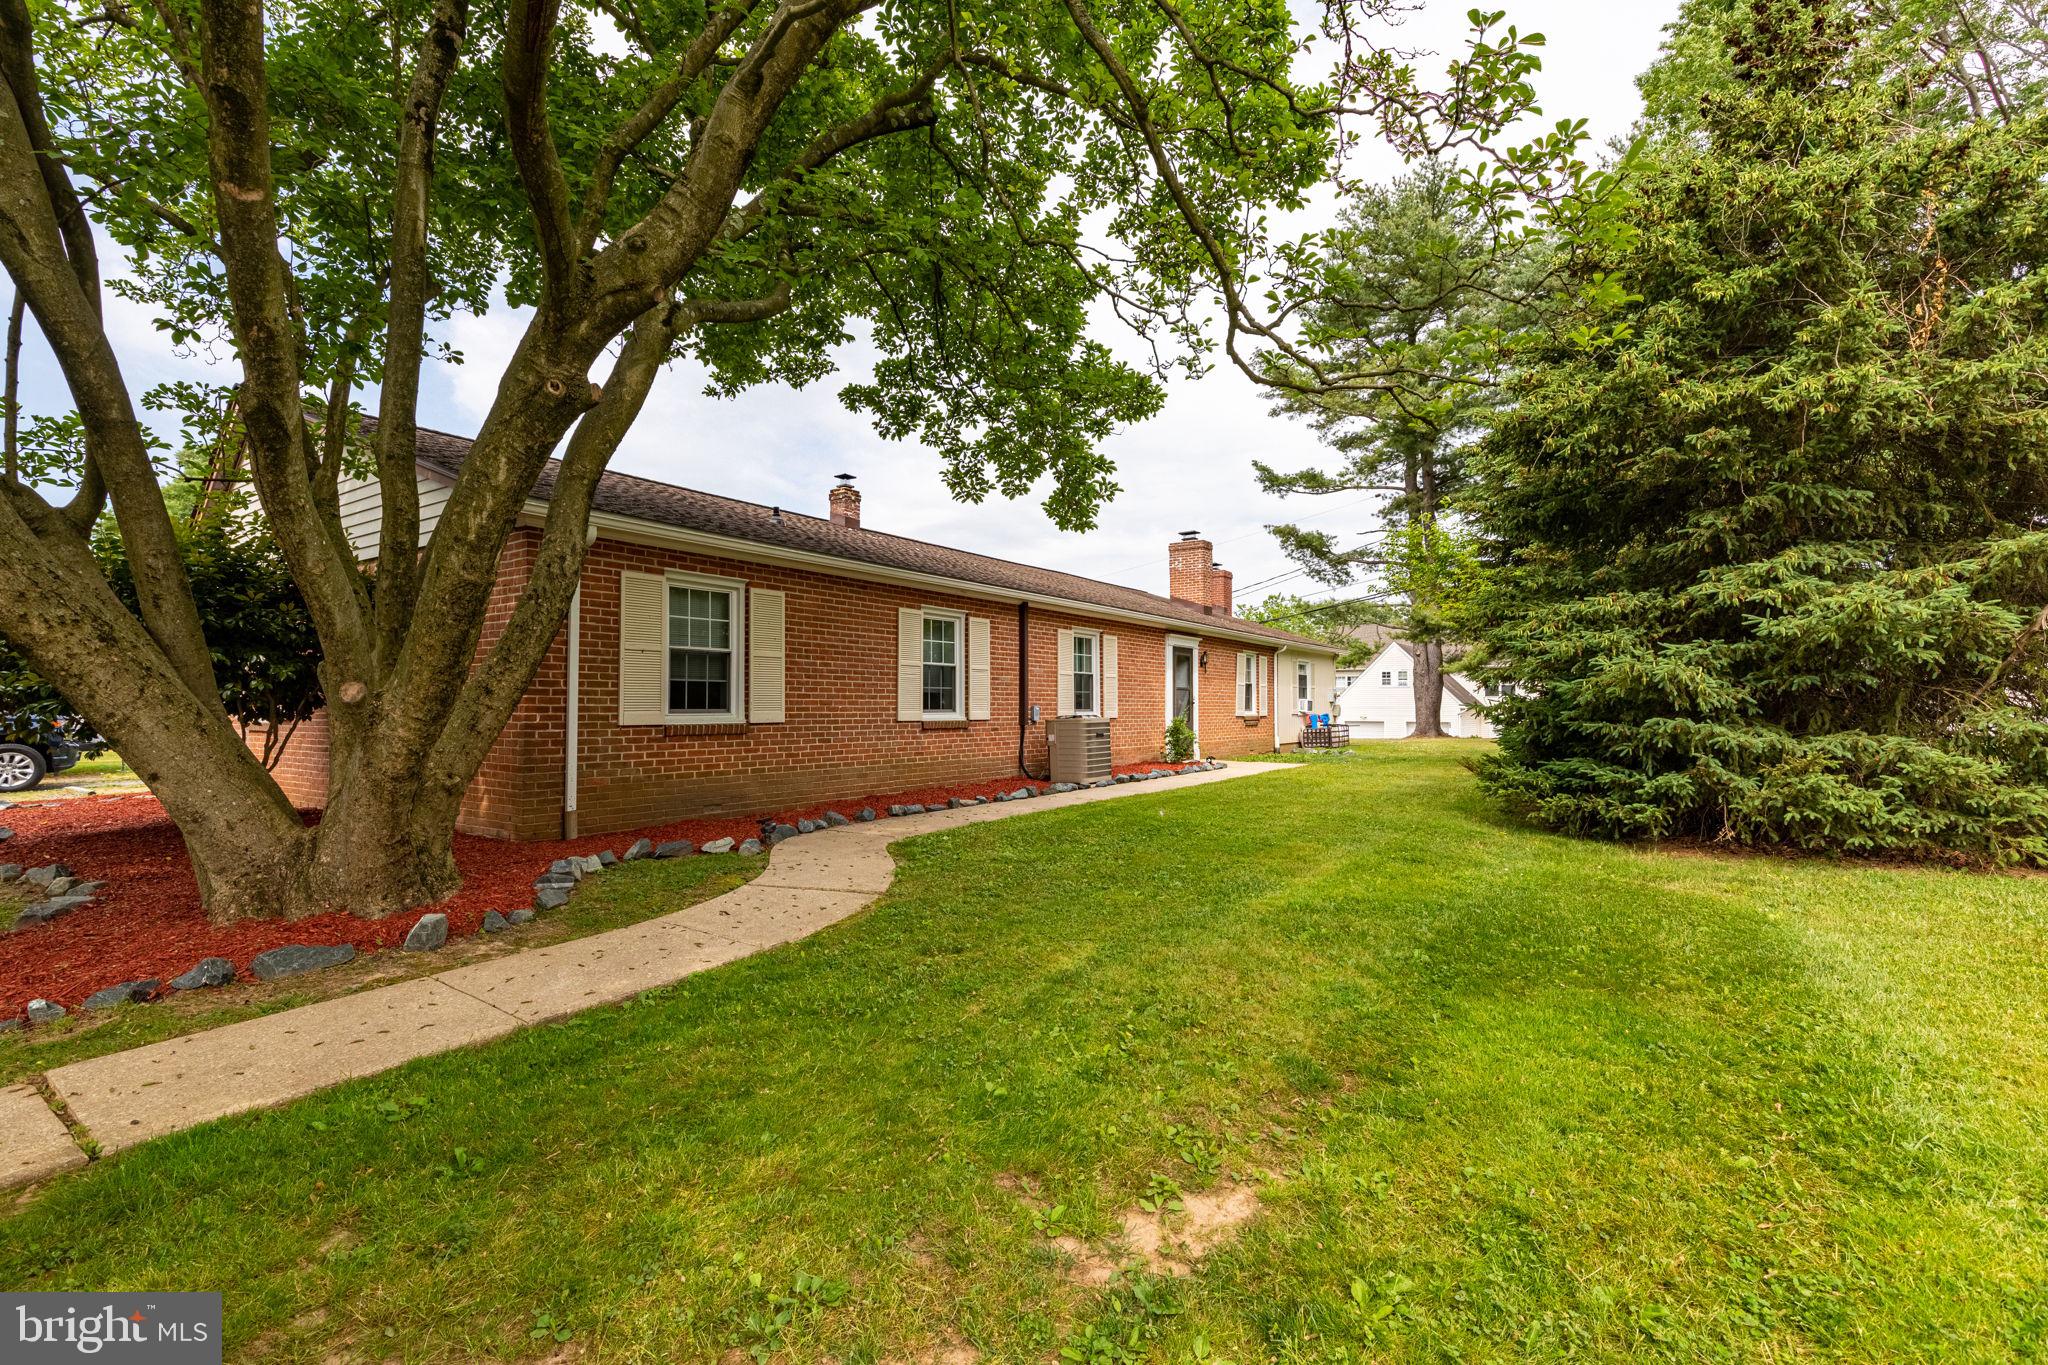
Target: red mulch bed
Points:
(146, 921)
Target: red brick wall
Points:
(841, 738)
(302, 768)
(1189, 565)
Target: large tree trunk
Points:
(379, 849)
(1429, 691)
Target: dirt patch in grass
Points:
(945, 1353)
(1171, 1243)
(1168, 1240)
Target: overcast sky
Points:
(1188, 467)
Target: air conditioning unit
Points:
(1080, 749)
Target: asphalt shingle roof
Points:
(665, 504)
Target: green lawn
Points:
(1503, 1095)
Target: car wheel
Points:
(20, 767)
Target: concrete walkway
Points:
(126, 1098)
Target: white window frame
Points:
(1246, 697)
(1401, 677)
(1094, 639)
(736, 693)
(1304, 688)
(1386, 677)
(959, 620)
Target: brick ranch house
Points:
(725, 657)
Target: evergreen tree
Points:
(1968, 59)
(1772, 562)
(1419, 288)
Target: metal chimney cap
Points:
(844, 478)
(1190, 535)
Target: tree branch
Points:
(405, 332)
(58, 279)
(259, 288)
(653, 111)
(529, 42)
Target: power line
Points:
(1249, 588)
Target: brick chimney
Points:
(1190, 565)
(845, 501)
(1219, 590)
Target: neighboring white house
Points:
(1378, 700)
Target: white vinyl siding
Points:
(362, 512)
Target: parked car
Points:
(32, 747)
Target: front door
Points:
(1184, 684)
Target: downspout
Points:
(574, 705)
(1024, 687)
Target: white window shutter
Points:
(909, 663)
(1109, 677)
(1238, 678)
(643, 648)
(1265, 667)
(767, 652)
(977, 668)
(1066, 673)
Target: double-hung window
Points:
(1247, 684)
(1086, 692)
(1301, 686)
(1386, 677)
(1403, 675)
(942, 632)
(703, 654)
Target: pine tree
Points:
(1772, 563)
(1421, 289)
